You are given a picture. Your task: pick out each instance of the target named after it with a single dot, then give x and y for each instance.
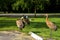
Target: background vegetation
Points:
(29, 6)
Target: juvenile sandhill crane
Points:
(26, 19)
(51, 25)
(20, 24)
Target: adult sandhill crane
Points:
(51, 25)
(20, 24)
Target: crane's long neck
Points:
(47, 18)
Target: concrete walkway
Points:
(14, 35)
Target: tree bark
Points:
(35, 12)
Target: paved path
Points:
(14, 35)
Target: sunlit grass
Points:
(37, 26)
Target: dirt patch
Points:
(14, 35)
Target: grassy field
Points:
(37, 26)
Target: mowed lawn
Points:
(37, 26)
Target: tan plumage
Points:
(51, 25)
(20, 24)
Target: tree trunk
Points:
(23, 9)
(35, 12)
(28, 10)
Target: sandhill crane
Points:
(20, 24)
(26, 19)
(51, 25)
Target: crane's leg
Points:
(50, 35)
(19, 29)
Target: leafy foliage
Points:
(38, 4)
(30, 5)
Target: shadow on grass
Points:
(38, 24)
(7, 23)
(42, 24)
(36, 32)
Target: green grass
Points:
(37, 26)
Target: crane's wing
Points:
(51, 25)
(19, 23)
